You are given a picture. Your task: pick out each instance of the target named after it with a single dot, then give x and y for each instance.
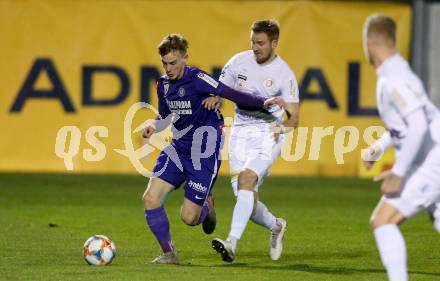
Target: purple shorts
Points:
(199, 174)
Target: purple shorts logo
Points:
(197, 186)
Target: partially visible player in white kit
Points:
(257, 135)
(413, 125)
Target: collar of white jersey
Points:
(391, 64)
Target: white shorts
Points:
(253, 148)
(421, 189)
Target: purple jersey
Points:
(184, 97)
(197, 131)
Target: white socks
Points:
(242, 213)
(392, 251)
(263, 217)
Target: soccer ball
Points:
(99, 250)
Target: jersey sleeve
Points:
(228, 76)
(417, 127)
(163, 108)
(289, 88)
(206, 85)
(404, 97)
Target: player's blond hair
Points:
(270, 27)
(172, 42)
(381, 25)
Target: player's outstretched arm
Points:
(249, 100)
(207, 84)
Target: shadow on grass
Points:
(305, 268)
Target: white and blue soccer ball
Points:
(99, 250)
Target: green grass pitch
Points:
(328, 236)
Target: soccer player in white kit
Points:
(257, 135)
(413, 125)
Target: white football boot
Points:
(276, 239)
(166, 258)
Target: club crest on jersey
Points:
(166, 87)
(181, 92)
(268, 82)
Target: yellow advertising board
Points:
(71, 70)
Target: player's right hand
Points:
(212, 103)
(148, 131)
(271, 101)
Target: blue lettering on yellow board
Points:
(90, 71)
(28, 90)
(149, 74)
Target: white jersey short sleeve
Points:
(274, 79)
(404, 97)
(227, 76)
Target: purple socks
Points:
(158, 222)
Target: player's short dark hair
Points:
(270, 27)
(172, 42)
(381, 24)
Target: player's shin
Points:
(392, 251)
(158, 223)
(242, 213)
(263, 217)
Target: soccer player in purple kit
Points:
(193, 156)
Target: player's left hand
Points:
(212, 103)
(369, 157)
(391, 182)
(271, 101)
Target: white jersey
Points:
(274, 79)
(399, 93)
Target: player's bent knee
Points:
(247, 179)
(386, 214)
(189, 216)
(378, 221)
(189, 219)
(150, 202)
